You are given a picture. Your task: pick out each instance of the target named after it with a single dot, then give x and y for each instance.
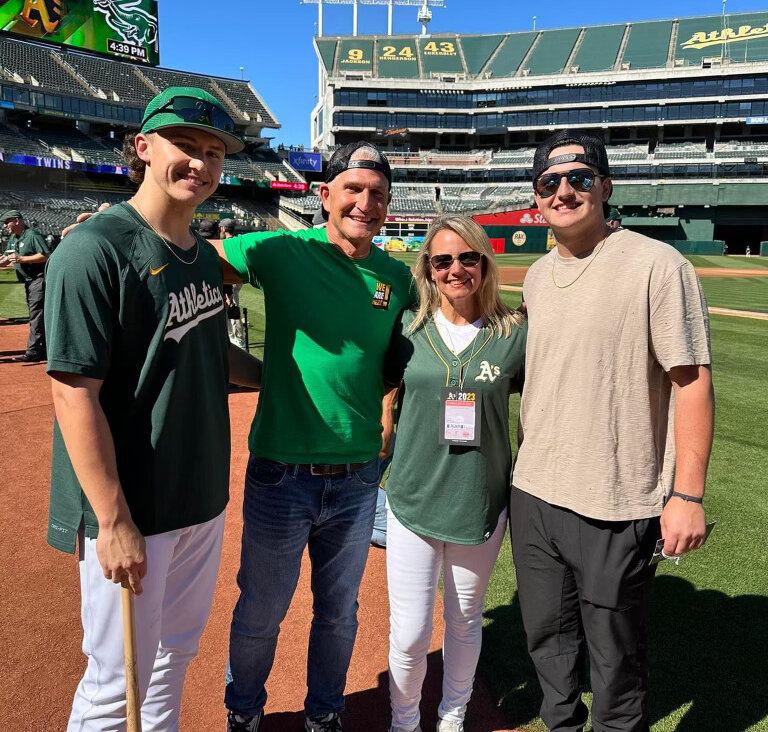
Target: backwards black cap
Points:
(594, 152)
(341, 160)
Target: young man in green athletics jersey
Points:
(139, 361)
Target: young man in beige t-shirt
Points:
(618, 389)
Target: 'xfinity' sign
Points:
(312, 162)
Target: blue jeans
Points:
(284, 510)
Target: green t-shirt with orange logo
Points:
(329, 319)
(147, 319)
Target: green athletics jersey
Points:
(329, 319)
(122, 307)
(30, 242)
(452, 493)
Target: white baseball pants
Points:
(413, 571)
(170, 616)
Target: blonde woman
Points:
(459, 355)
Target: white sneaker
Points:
(444, 725)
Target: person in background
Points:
(235, 329)
(459, 355)
(616, 427)
(30, 253)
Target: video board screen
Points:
(123, 28)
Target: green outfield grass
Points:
(739, 293)
(699, 260)
(12, 301)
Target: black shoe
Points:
(329, 723)
(30, 358)
(242, 723)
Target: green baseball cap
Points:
(188, 106)
(11, 214)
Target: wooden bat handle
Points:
(133, 705)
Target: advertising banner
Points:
(288, 185)
(307, 161)
(57, 163)
(123, 28)
(525, 217)
(398, 243)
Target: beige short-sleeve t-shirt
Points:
(597, 406)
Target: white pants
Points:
(235, 329)
(170, 616)
(413, 571)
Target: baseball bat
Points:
(133, 705)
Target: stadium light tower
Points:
(424, 16)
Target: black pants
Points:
(585, 585)
(35, 292)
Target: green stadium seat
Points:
(648, 45)
(552, 51)
(512, 52)
(599, 48)
(327, 50)
(477, 50)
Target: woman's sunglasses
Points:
(466, 259)
(196, 111)
(581, 179)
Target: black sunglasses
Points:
(581, 179)
(466, 259)
(195, 111)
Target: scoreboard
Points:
(126, 29)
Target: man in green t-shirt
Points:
(30, 253)
(139, 361)
(331, 300)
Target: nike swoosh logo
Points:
(156, 271)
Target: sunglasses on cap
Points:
(195, 111)
(581, 179)
(466, 259)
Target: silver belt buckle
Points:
(312, 470)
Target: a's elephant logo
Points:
(134, 24)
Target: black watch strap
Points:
(686, 497)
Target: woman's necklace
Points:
(554, 259)
(164, 240)
(447, 329)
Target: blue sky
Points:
(273, 39)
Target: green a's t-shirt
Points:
(329, 319)
(122, 307)
(452, 493)
(30, 242)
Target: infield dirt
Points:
(41, 661)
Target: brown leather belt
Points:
(326, 468)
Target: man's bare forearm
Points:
(244, 369)
(120, 547)
(89, 444)
(388, 404)
(694, 426)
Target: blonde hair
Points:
(493, 311)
